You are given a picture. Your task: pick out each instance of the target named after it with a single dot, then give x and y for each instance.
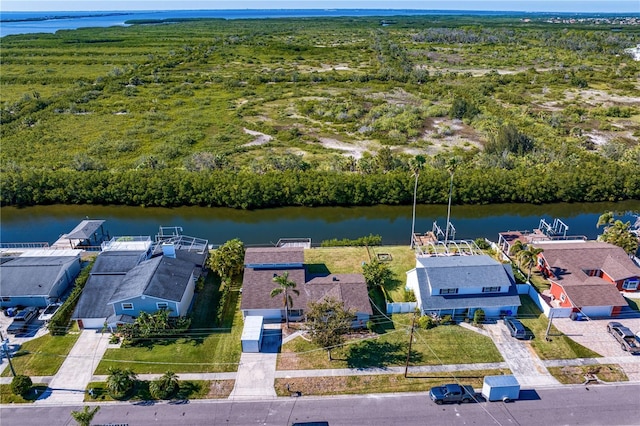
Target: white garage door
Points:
(597, 311)
(92, 323)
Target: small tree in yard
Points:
(21, 385)
(284, 287)
(120, 382)
(478, 316)
(84, 417)
(327, 323)
(165, 386)
(228, 260)
(376, 273)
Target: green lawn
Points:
(189, 389)
(42, 356)
(559, 347)
(206, 348)
(342, 385)
(633, 303)
(430, 347)
(7, 397)
(348, 260)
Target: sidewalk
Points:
(69, 384)
(524, 363)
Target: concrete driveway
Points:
(593, 334)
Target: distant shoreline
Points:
(52, 16)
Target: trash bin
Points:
(576, 316)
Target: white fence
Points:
(541, 303)
(401, 307)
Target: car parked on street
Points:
(516, 328)
(22, 320)
(452, 393)
(628, 341)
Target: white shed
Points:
(252, 334)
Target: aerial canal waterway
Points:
(259, 227)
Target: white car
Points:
(49, 311)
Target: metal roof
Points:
(84, 230)
(33, 276)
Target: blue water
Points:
(50, 22)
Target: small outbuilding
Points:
(252, 334)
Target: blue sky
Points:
(612, 6)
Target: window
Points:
(448, 291)
(630, 284)
(162, 305)
(562, 297)
(491, 289)
(295, 312)
(127, 306)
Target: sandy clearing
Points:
(260, 139)
(350, 150)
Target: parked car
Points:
(22, 320)
(626, 338)
(452, 393)
(516, 328)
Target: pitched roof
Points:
(274, 256)
(350, 289)
(464, 271)
(162, 277)
(85, 229)
(258, 283)
(96, 294)
(441, 272)
(33, 276)
(593, 293)
(116, 262)
(568, 261)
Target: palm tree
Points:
(284, 286)
(120, 382)
(85, 416)
(528, 257)
(165, 386)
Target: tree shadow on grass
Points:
(375, 354)
(188, 389)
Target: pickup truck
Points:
(452, 393)
(626, 338)
(22, 320)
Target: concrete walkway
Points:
(69, 384)
(524, 363)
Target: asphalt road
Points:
(579, 405)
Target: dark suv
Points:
(516, 328)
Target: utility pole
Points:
(413, 326)
(546, 335)
(6, 352)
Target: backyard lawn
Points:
(560, 346)
(440, 345)
(348, 260)
(42, 356)
(206, 348)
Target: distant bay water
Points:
(50, 22)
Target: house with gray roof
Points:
(131, 275)
(105, 278)
(158, 283)
(460, 284)
(263, 264)
(36, 280)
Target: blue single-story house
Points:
(38, 280)
(158, 283)
(460, 284)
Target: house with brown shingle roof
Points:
(263, 264)
(588, 276)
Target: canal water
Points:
(263, 227)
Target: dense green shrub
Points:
(21, 385)
(478, 316)
(60, 322)
(369, 240)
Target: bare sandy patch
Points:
(260, 139)
(349, 149)
(598, 97)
